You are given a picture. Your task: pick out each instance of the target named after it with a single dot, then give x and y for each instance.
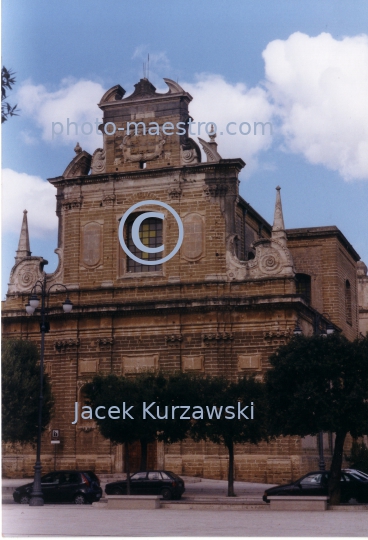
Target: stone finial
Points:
(78, 148)
(278, 228)
(212, 133)
(210, 147)
(23, 244)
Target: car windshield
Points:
(315, 478)
(139, 476)
(173, 475)
(359, 475)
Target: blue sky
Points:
(300, 65)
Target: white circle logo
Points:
(135, 233)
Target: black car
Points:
(165, 483)
(80, 487)
(354, 485)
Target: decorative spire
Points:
(210, 147)
(278, 229)
(78, 148)
(23, 245)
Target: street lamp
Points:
(36, 495)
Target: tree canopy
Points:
(320, 384)
(7, 82)
(161, 390)
(20, 392)
(202, 403)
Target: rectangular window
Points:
(151, 235)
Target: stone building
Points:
(233, 293)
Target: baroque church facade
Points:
(232, 294)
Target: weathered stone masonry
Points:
(222, 305)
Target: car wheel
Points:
(80, 499)
(116, 491)
(24, 499)
(166, 494)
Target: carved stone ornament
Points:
(137, 196)
(105, 344)
(278, 333)
(173, 339)
(210, 149)
(80, 165)
(63, 345)
(72, 204)
(25, 274)
(190, 153)
(138, 147)
(217, 338)
(98, 161)
(215, 190)
(174, 193)
(108, 199)
(272, 259)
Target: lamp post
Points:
(36, 495)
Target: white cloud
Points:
(28, 138)
(75, 100)
(21, 191)
(320, 86)
(314, 96)
(216, 100)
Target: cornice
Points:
(172, 306)
(223, 165)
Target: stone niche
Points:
(138, 363)
(193, 244)
(193, 363)
(91, 255)
(88, 366)
(249, 362)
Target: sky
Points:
(301, 66)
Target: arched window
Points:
(348, 313)
(151, 235)
(303, 285)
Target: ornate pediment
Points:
(79, 166)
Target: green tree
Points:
(250, 425)
(20, 392)
(158, 389)
(320, 384)
(7, 82)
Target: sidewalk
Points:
(68, 520)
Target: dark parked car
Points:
(80, 487)
(165, 483)
(354, 485)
